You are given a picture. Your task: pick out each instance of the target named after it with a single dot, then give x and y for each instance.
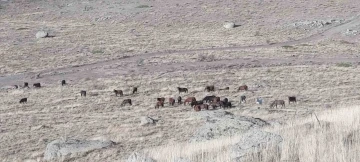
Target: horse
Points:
(210, 88)
(182, 90)
(277, 102)
(242, 99)
(26, 84)
(193, 103)
(292, 99)
(179, 100)
(171, 101)
(37, 85)
(63, 82)
(23, 100)
(135, 89)
(216, 99)
(126, 101)
(225, 100)
(243, 87)
(83, 93)
(158, 104)
(189, 99)
(208, 98)
(204, 106)
(214, 105)
(161, 99)
(118, 92)
(225, 104)
(197, 108)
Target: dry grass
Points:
(304, 140)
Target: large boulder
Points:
(139, 157)
(42, 34)
(70, 147)
(254, 142)
(229, 25)
(221, 123)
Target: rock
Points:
(181, 159)
(229, 25)
(221, 123)
(144, 120)
(255, 141)
(139, 157)
(60, 148)
(42, 34)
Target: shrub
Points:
(142, 6)
(206, 58)
(344, 64)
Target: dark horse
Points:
(277, 102)
(126, 101)
(210, 88)
(292, 99)
(182, 90)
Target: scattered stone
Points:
(350, 32)
(229, 25)
(254, 142)
(42, 34)
(61, 148)
(139, 157)
(145, 120)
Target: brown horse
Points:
(135, 90)
(182, 90)
(243, 87)
(210, 88)
(161, 99)
(190, 99)
(171, 101)
(277, 102)
(158, 104)
(204, 106)
(216, 99)
(118, 92)
(197, 108)
(126, 101)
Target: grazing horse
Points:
(161, 99)
(204, 106)
(126, 101)
(214, 105)
(189, 99)
(118, 92)
(193, 103)
(243, 87)
(225, 100)
(210, 88)
(226, 88)
(225, 104)
(182, 90)
(135, 89)
(37, 85)
(171, 101)
(179, 100)
(26, 84)
(216, 99)
(158, 104)
(259, 100)
(209, 98)
(63, 82)
(83, 93)
(197, 108)
(242, 99)
(23, 100)
(277, 102)
(292, 99)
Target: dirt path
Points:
(102, 69)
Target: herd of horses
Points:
(208, 101)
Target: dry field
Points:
(159, 45)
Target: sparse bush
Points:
(345, 42)
(206, 58)
(289, 47)
(142, 6)
(344, 64)
(140, 62)
(97, 52)
(257, 33)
